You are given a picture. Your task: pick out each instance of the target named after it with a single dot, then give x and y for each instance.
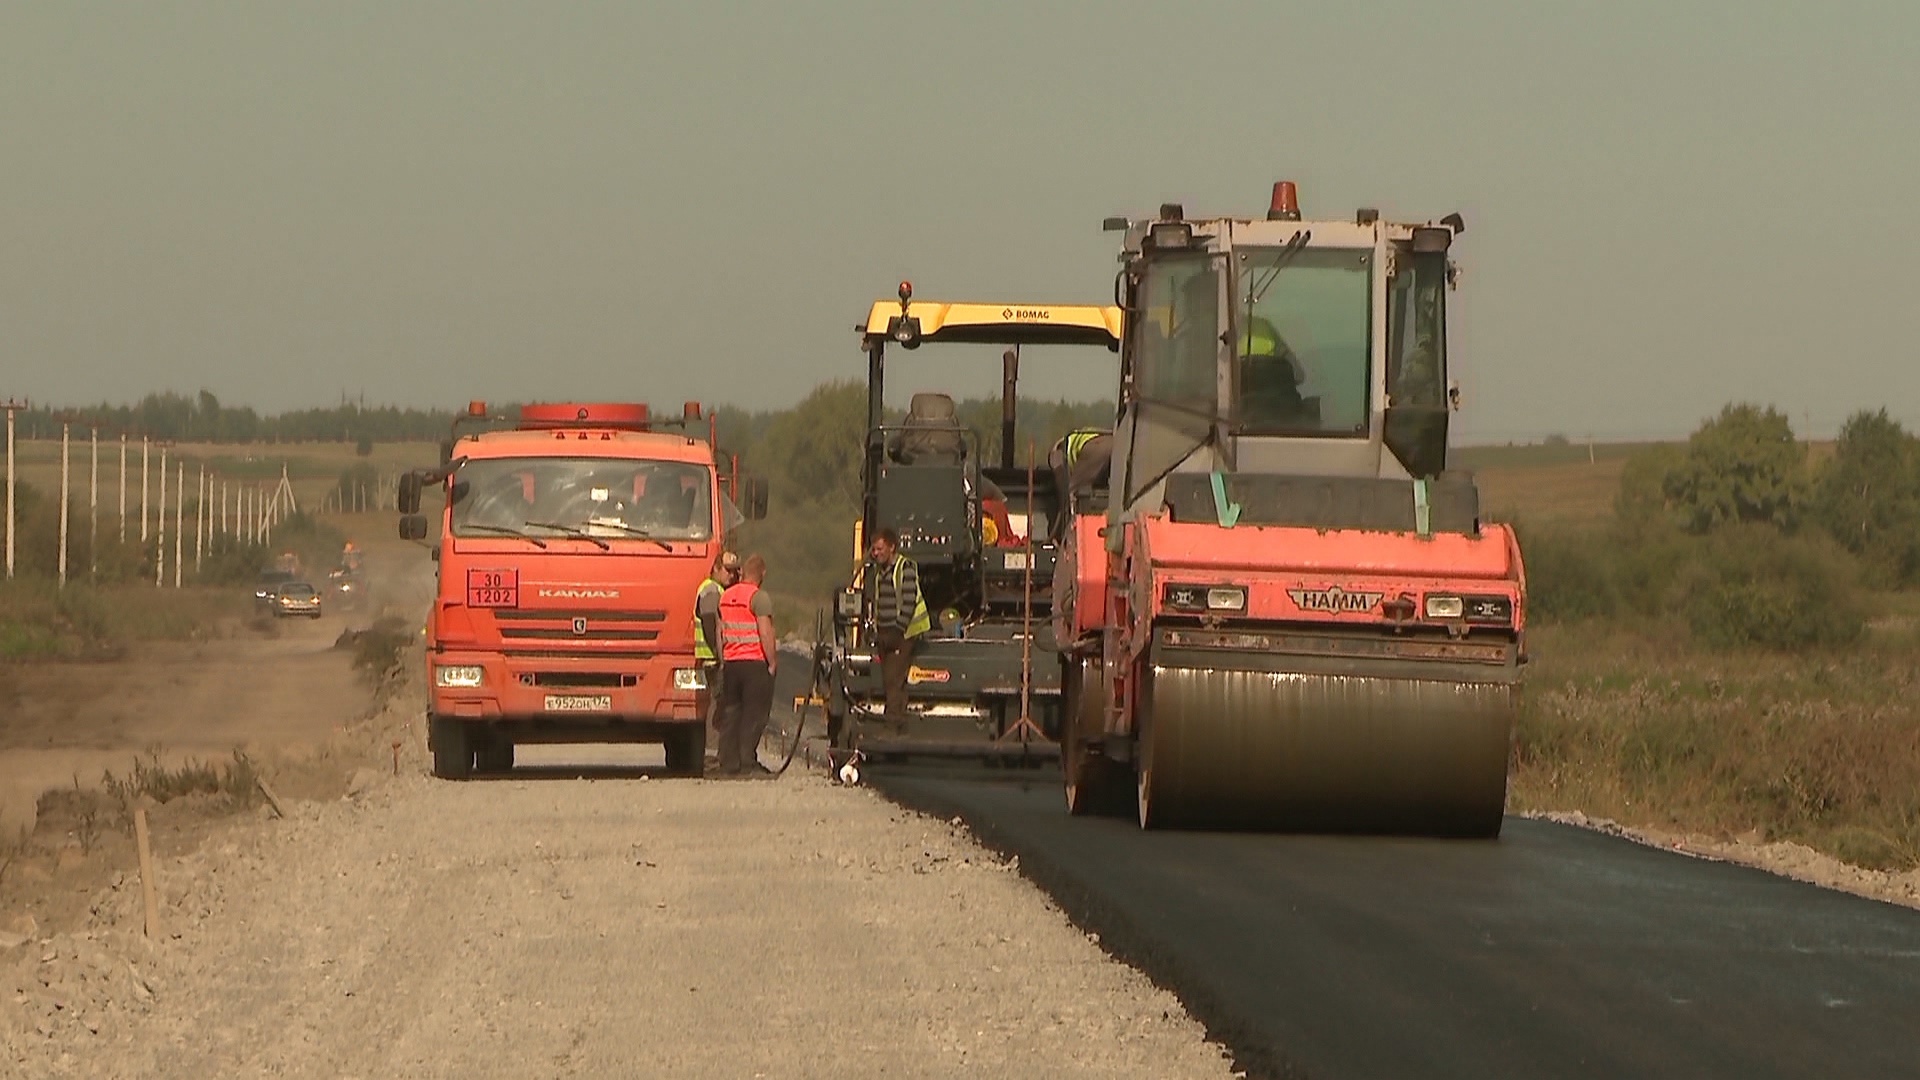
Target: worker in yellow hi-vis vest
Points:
(706, 635)
(899, 619)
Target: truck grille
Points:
(545, 625)
(573, 679)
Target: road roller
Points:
(1276, 606)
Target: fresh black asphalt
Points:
(1551, 952)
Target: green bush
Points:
(1570, 573)
(1755, 586)
(1742, 466)
(1747, 585)
(1868, 497)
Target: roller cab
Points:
(1290, 613)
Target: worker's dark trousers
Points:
(746, 703)
(707, 703)
(896, 657)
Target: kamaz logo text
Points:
(579, 594)
(1334, 600)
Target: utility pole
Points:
(64, 486)
(200, 520)
(93, 504)
(160, 527)
(145, 446)
(123, 487)
(11, 406)
(179, 511)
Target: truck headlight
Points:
(1445, 607)
(688, 678)
(459, 675)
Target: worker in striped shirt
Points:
(899, 619)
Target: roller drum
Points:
(1325, 752)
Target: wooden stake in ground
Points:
(147, 895)
(272, 799)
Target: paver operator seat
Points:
(933, 436)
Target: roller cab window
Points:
(1417, 405)
(1305, 319)
(1174, 385)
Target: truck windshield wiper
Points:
(505, 531)
(632, 531)
(572, 530)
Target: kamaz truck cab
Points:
(570, 547)
(982, 534)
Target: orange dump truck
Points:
(570, 546)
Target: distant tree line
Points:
(1744, 535)
(202, 418)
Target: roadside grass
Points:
(378, 648)
(151, 777)
(40, 621)
(1639, 724)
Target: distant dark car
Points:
(296, 598)
(268, 584)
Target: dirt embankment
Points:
(388, 924)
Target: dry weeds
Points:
(1819, 748)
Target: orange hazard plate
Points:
(493, 588)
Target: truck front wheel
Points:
(687, 750)
(452, 747)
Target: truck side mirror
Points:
(413, 526)
(446, 453)
(756, 499)
(408, 496)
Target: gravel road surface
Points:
(536, 927)
(1552, 952)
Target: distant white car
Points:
(296, 598)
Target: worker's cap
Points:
(730, 561)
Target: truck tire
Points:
(687, 750)
(493, 752)
(452, 747)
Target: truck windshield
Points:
(607, 499)
(1303, 366)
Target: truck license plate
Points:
(579, 702)
(1016, 560)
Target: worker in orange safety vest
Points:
(750, 656)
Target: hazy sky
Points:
(1668, 204)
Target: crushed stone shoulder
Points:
(590, 927)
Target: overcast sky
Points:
(1668, 204)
